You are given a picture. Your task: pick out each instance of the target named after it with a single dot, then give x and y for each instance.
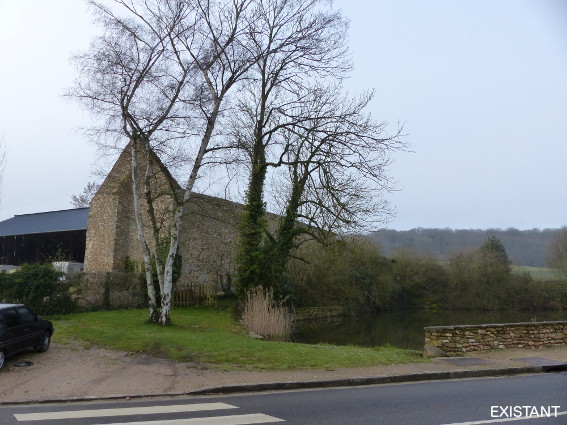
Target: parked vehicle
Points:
(21, 329)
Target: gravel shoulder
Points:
(69, 372)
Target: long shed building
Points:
(39, 237)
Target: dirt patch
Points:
(68, 372)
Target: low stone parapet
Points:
(318, 313)
(455, 340)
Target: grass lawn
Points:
(539, 273)
(211, 336)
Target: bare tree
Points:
(222, 58)
(130, 77)
(297, 41)
(296, 122)
(335, 158)
(83, 200)
(159, 75)
(557, 252)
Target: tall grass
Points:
(266, 317)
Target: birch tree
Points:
(158, 76)
(222, 59)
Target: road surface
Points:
(511, 400)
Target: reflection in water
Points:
(404, 329)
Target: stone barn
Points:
(207, 238)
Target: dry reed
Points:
(264, 316)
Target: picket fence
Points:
(195, 295)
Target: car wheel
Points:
(43, 346)
(2, 357)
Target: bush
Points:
(40, 287)
(421, 280)
(5, 287)
(483, 280)
(349, 273)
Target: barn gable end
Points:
(208, 233)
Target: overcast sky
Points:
(480, 86)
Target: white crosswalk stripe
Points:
(101, 413)
(244, 419)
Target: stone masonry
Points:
(455, 340)
(207, 238)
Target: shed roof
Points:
(45, 222)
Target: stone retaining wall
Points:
(454, 340)
(317, 313)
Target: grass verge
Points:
(212, 337)
(539, 273)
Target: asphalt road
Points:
(462, 402)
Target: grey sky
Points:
(480, 86)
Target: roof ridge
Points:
(55, 211)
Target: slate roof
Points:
(52, 221)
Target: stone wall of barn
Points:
(207, 238)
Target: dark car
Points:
(21, 329)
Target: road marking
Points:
(257, 418)
(503, 420)
(100, 413)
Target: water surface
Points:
(404, 329)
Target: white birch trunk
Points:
(152, 217)
(174, 242)
(153, 309)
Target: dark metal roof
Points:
(52, 221)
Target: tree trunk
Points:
(153, 222)
(250, 269)
(284, 243)
(153, 308)
(174, 236)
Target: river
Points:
(404, 329)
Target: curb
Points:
(297, 385)
(379, 380)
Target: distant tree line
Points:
(524, 247)
(354, 274)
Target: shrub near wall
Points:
(454, 340)
(40, 287)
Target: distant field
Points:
(539, 273)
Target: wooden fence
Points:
(195, 295)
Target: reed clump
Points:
(265, 316)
